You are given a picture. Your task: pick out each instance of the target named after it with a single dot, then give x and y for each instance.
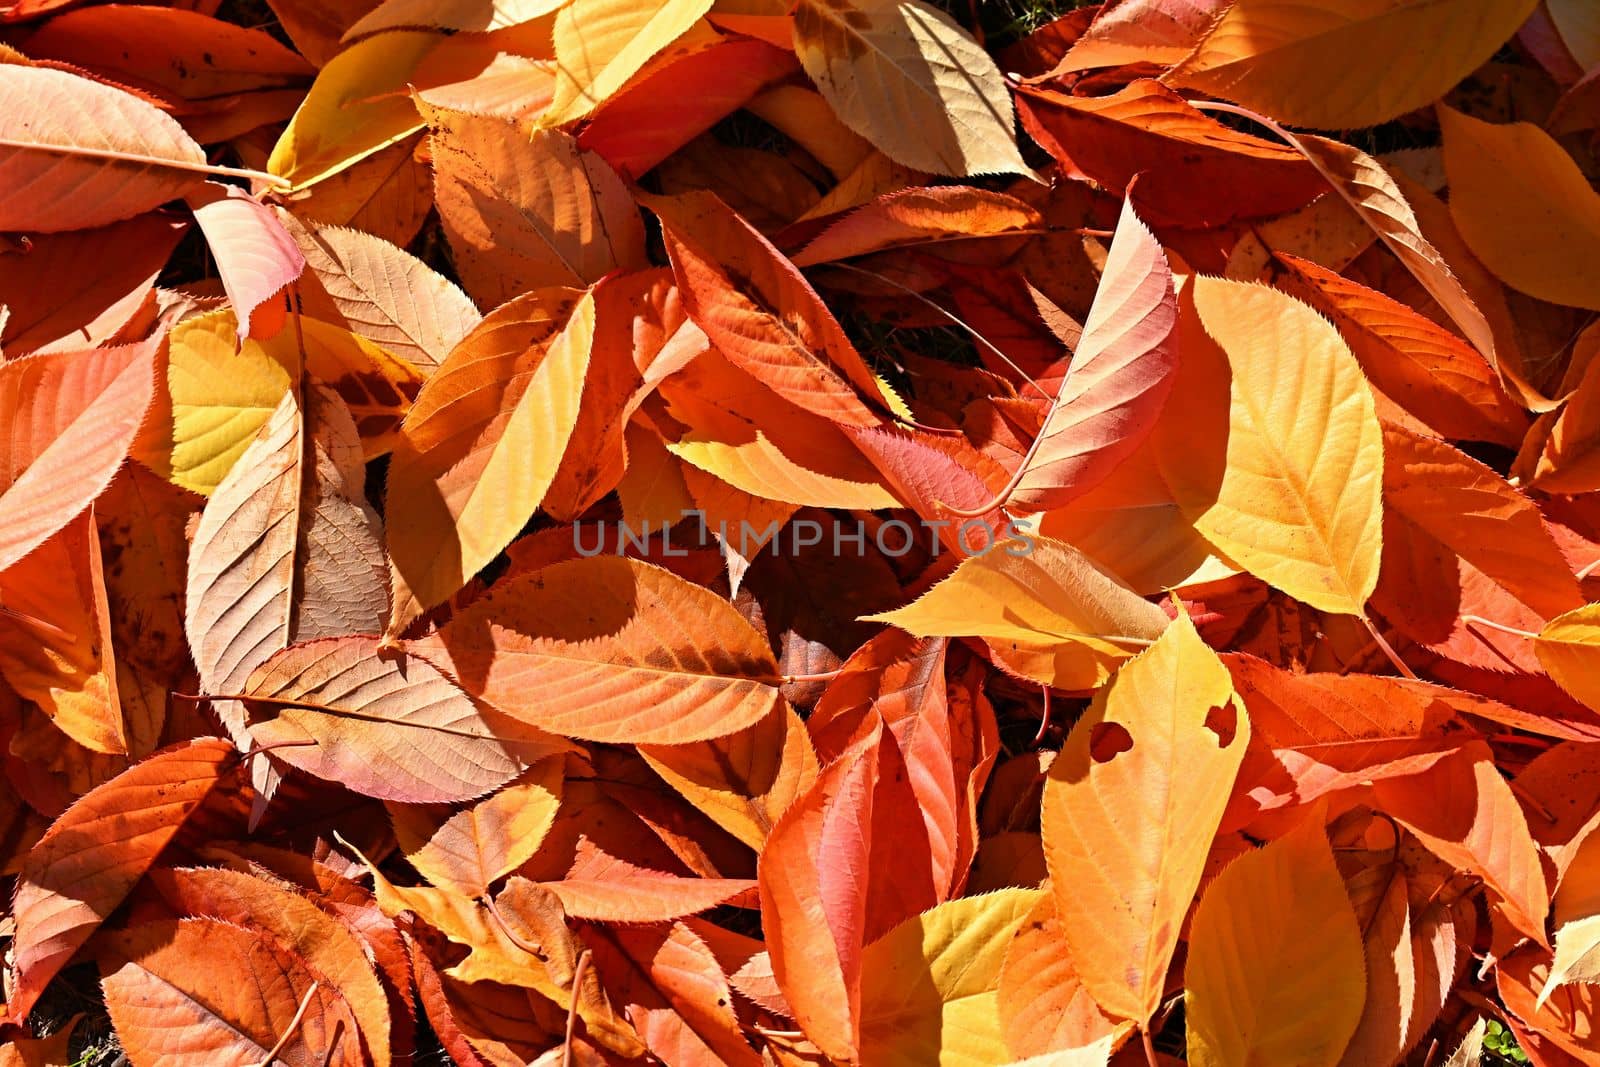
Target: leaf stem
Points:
(1479, 620)
(1388, 649)
(824, 676)
(294, 1024)
(37, 624)
(277, 183)
(572, 1007)
(1044, 717)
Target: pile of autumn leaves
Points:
(384, 395)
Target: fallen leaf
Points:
(906, 77)
(85, 865)
(577, 649)
(1129, 810)
(76, 153)
(1524, 207)
(1331, 65)
(1283, 913)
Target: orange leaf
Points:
(528, 212)
(1044, 1006)
(468, 849)
(76, 153)
(482, 443)
(610, 649)
(759, 310)
(846, 863)
(297, 925)
(1465, 813)
(55, 649)
(1119, 378)
(71, 419)
(199, 992)
(96, 852)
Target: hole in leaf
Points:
(1108, 740)
(1224, 722)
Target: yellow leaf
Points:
(221, 397)
(1297, 499)
(1338, 64)
(1524, 208)
(1569, 648)
(1276, 973)
(1052, 597)
(737, 429)
(357, 106)
(1130, 809)
(482, 444)
(908, 78)
(745, 780)
(600, 44)
(466, 848)
(930, 987)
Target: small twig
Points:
(294, 1024)
(572, 1007)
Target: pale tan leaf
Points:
(383, 292)
(386, 725)
(287, 548)
(908, 78)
